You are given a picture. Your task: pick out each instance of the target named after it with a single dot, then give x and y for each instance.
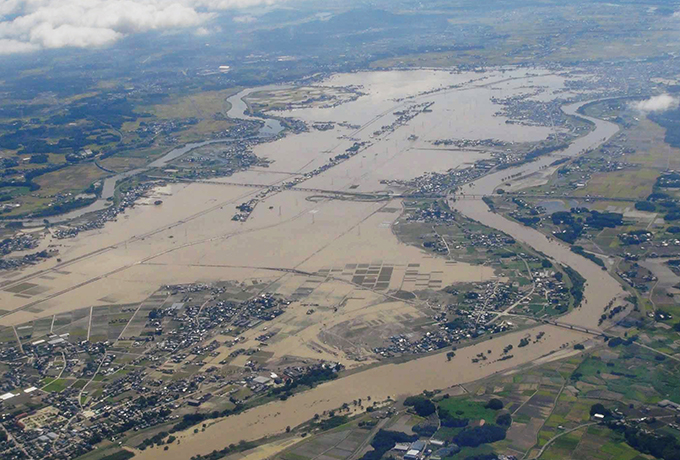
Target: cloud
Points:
(246, 19)
(14, 46)
(29, 25)
(657, 103)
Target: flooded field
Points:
(192, 235)
(307, 244)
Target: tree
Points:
(475, 436)
(645, 206)
(598, 408)
(504, 420)
(450, 355)
(494, 404)
(424, 407)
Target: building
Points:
(261, 380)
(415, 451)
(402, 447)
(669, 405)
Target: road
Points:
(551, 440)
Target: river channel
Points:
(600, 286)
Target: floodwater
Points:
(191, 237)
(239, 109)
(271, 128)
(392, 380)
(601, 287)
(109, 186)
(418, 375)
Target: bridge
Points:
(466, 196)
(374, 195)
(573, 327)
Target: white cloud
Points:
(14, 46)
(28, 25)
(247, 19)
(657, 103)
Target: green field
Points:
(466, 408)
(56, 386)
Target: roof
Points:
(261, 379)
(418, 445)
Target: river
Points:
(600, 286)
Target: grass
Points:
(630, 183)
(56, 386)
(465, 408)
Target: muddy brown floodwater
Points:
(435, 372)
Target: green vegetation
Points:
(494, 404)
(475, 436)
(592, 257)
(120, 455)
(422, 406)
(463, 408)
(56, 386)
(577, 284)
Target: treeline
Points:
(62, 208)
(231, 449)
(310, 379)
(582, 252)
(478, 435)
(120, 455)
(577, 284)
(535, 153)
(421, 405)
(669, 119)
(576, 224)
(29, 176)
(660, 201)
(659, 445)
(34, 140)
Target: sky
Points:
(31, 25)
